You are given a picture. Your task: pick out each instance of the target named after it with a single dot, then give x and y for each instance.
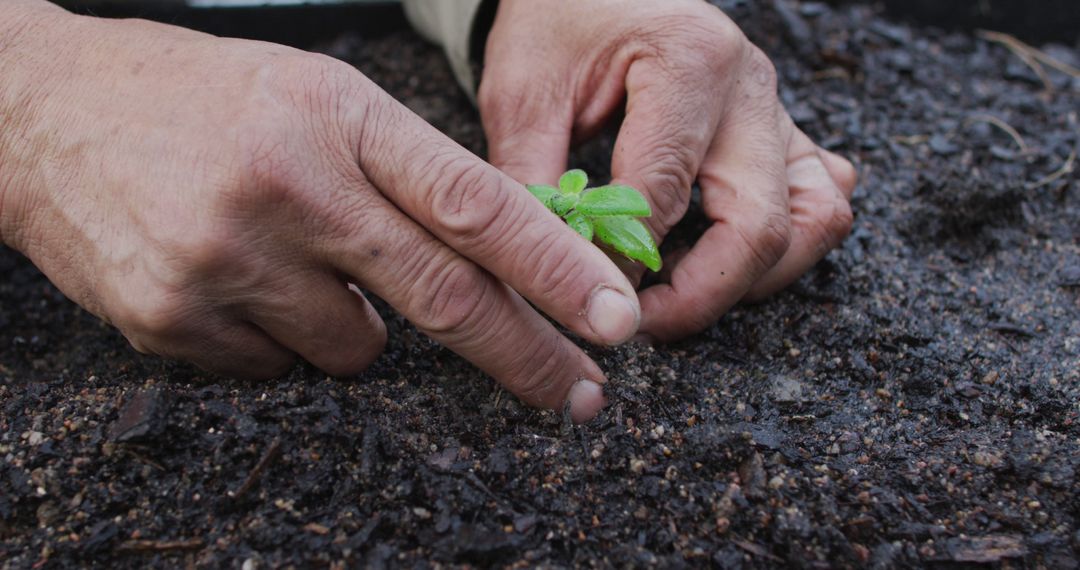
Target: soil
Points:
(913, 401)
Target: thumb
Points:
(528, 134)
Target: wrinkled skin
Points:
(213, 198)
(224, 201)
(701, 105)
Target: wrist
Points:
(26, 55)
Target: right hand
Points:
(212, 198)
(701, 105)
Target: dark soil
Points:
(912, 401)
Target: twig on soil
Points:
(253, 477)
(159, 545)
(1006, 127)
(1034, 58)
(1066, 169)
(1056, 64)
(1014, 44)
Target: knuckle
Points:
(692, 41)
(473, 204)
(330, 82)
(669, 184)
(721, 43)
(557, 268)
(768, 239)
(334, 94)
(153, 315)
(451, 297)
(297, 103)
(761, 70)
(164, 304)
(311, 81)
(213, 251)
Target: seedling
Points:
(610, 213)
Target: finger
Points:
(820, 215)
(841, 170)
(671, 118)
(493, 221)
(461, 306)
(662, 142)
(744, 192)
(528, 134)
(230, 348)
(320, 319)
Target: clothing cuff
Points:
(458, 26)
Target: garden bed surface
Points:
(913, 400)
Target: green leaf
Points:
(580, 224)
(563, 203)
(630, 237)
(573, 181)
(615, 200)
(543, 193)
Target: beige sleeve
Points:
(448, 23)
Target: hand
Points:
(212, 199)
(701, 105)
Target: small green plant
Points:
(609, 212)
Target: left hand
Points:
(701, 105)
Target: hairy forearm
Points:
(25, 29)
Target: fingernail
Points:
(612, 316)
(586, 400)
(643, 338)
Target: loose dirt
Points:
(912, 401)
